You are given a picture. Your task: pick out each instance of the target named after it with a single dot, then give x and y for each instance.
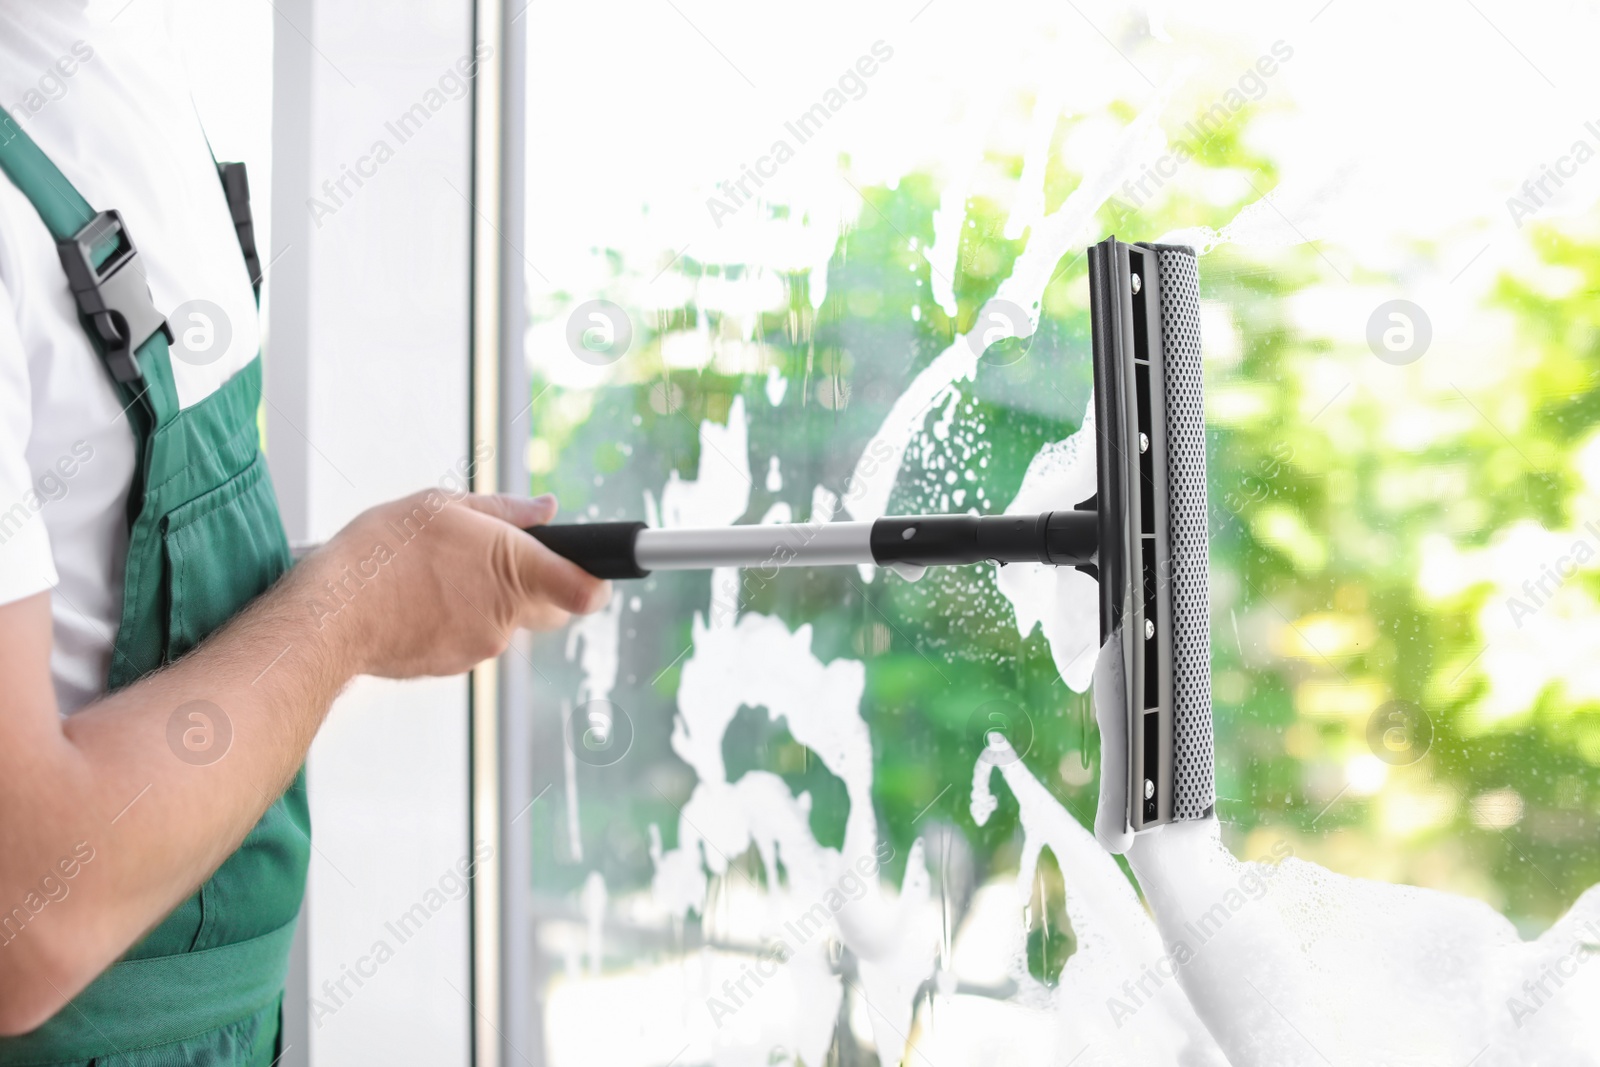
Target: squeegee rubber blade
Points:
(1194, 790)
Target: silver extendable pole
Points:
(820, 544)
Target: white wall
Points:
(367, 383)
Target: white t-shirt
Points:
(100, 88)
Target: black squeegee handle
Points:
(1062, 538)
(633, 550)
(604, 549)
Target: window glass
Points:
(802, 266)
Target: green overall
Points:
(206, 985)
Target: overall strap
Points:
(236, 189)
(106, 277)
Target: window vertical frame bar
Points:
(486, 303)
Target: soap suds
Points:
(1055, 235)
(1063, 601)
(777, 386)
(1116, 940)
(1260, 964)
(594, 641)
(569, 767)
(1297, 964)
(720, 493)
(592, 901)
(758, 662)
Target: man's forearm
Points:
(129, 805)
(160, 782)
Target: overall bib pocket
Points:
(205, 587)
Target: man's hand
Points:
(422, 586)
(430, 586)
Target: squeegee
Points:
(1142, 535)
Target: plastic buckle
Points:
(111, 292)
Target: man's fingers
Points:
(544, 617)
(554, 586)
(558, 580)
(519, 511)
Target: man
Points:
(149, 618)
